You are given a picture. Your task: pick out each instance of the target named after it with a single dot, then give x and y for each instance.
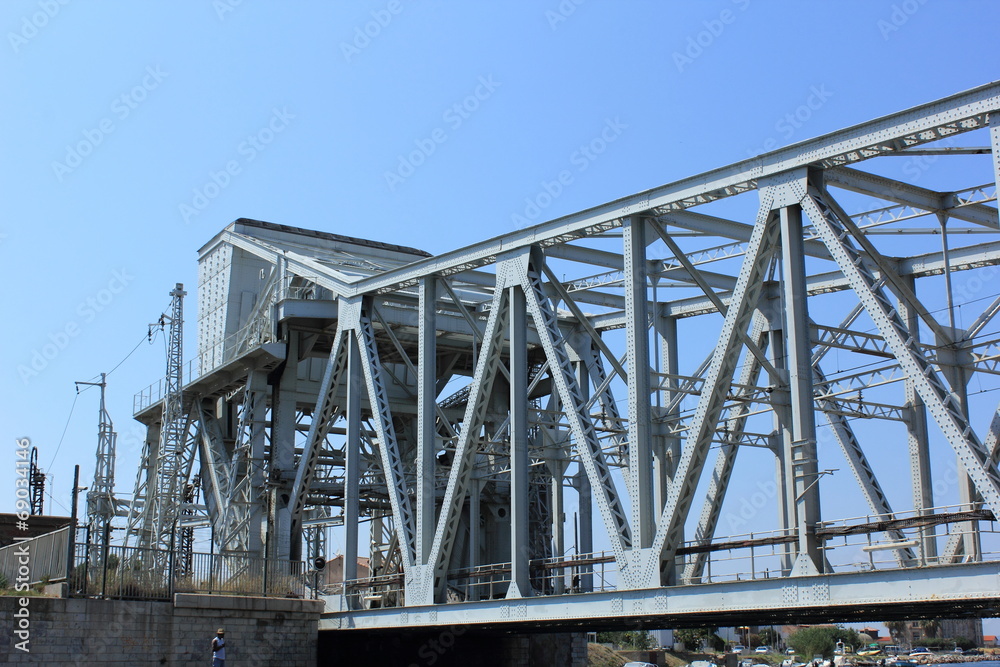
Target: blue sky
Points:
(135, 131)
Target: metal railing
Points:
(254, 333)
(39, 560)
(134, 573)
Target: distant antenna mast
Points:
(36, 484)
(101, 497)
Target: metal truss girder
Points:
(574, 253)
(995, 146)
(325, 413)
(939, 401)
(708, 224)
(992, 444)
(926, 123)
(392, 464)
(610, 417)
(919, 266)
(867, 252)
(984, 318)
(856, 459)
(584, 322)
(640, 453)
(214, 472)
(725, 460)
(243, 502)
(718, 377)
(574, 407)
(461, 466)
(905, 193)
(699, 280)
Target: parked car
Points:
(739, 648)
(639, 664)
(790, 651)
(762, 649)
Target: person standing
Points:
(219, 649)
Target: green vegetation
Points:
(692, 638)
(821, 640)
(636, 640)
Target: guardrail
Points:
(38, 560)
(133, 573)
(229, 348)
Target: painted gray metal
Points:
(457, 486)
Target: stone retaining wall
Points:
(259, 631)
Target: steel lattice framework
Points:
(455, 403)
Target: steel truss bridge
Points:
(542, 428)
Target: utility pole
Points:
(101, 496)
(160, 486)
(36, 482)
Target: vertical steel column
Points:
(475, 492)
(586, 545)
(426, 417)
(782, 439)
(666, 458)
(995, 143)
(557, 468)
(352, 459)
(918, 442)
(585, 504)
(282, 467)
(520, 584)
(958, 377)
(257, 405)
(667, 450)
(804, 455)
(640, 462)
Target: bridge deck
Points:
(971, 589)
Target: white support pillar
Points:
(639, 423)
(352, 458)
(918, 442)
(557, 468)
(426, 416)
(667, 448)
(666, 458)
(520, 584)
(283, 450)
(475, 534)
(799, 350)
(420, 578)
(258, 440)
